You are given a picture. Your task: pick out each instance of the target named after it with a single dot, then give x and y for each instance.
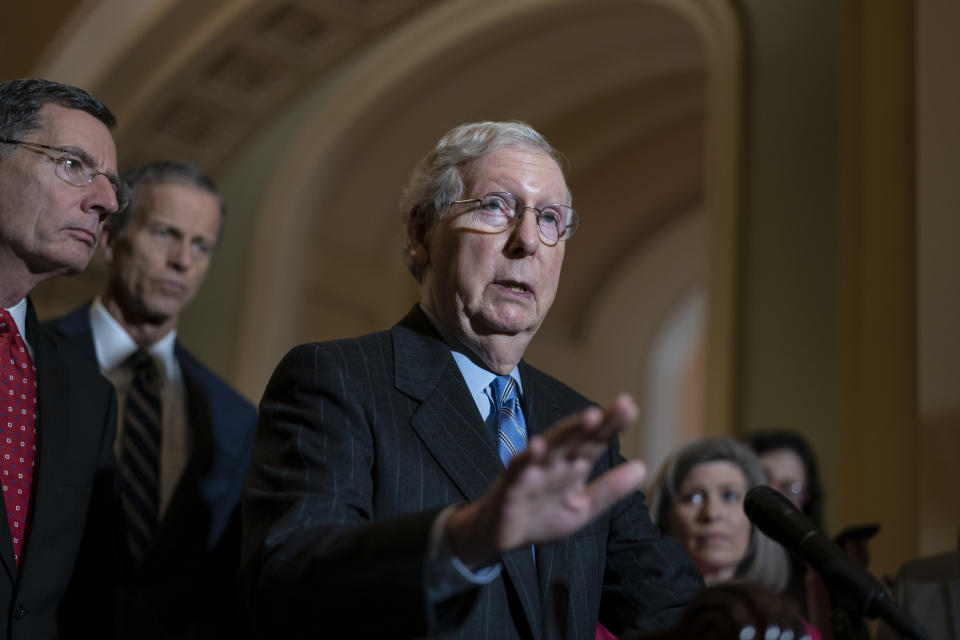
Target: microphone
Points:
(777, 517)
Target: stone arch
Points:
(672, 76)
(603, 78)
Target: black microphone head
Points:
(780, 519)
(776, 516)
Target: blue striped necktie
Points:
(511, 428)
(140, 454)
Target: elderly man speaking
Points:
(426, 481)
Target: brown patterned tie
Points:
(140, 454)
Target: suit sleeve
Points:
(649, 577)
(313, 555)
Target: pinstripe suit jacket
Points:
(361, 443)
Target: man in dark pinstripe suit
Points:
(378, 504)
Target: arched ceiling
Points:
(620, 86)
(29, 32)
(196, 79)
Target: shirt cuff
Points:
(446, 575)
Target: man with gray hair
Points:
(426, 481)
(58, 183)
(168, 558)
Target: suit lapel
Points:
(539, 406)
(75, 327)
(56, 429)
(446, 420)
(450, 427)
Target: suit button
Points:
(18, 614)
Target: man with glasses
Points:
(58, 183)
(184, 436)
(426, 480)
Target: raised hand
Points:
(543, 495)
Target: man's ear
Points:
(417, 243)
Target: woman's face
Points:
(784, 470)
(709, 521)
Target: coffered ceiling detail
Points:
(233, 67)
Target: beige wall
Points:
(877, 437)
(849, 317)
(938, 271)
(787, 356)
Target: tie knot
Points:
(7, 325)
(504, 390)
(144, 367)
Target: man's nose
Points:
(101, 198)
(181, 255)
(526, 233)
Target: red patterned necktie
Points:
(18, 440)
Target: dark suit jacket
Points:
(361, 443)
(187, 583)
(928, 589)
(75, 421)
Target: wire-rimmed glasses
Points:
(73, 169)
(499, 210)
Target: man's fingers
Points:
(615, 485)
(585, 435)
(618, 416)
(624, 409)
(588, 432)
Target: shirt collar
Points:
(477, 378)
(114, 345)
(19, 314)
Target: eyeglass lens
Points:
(552, 220)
